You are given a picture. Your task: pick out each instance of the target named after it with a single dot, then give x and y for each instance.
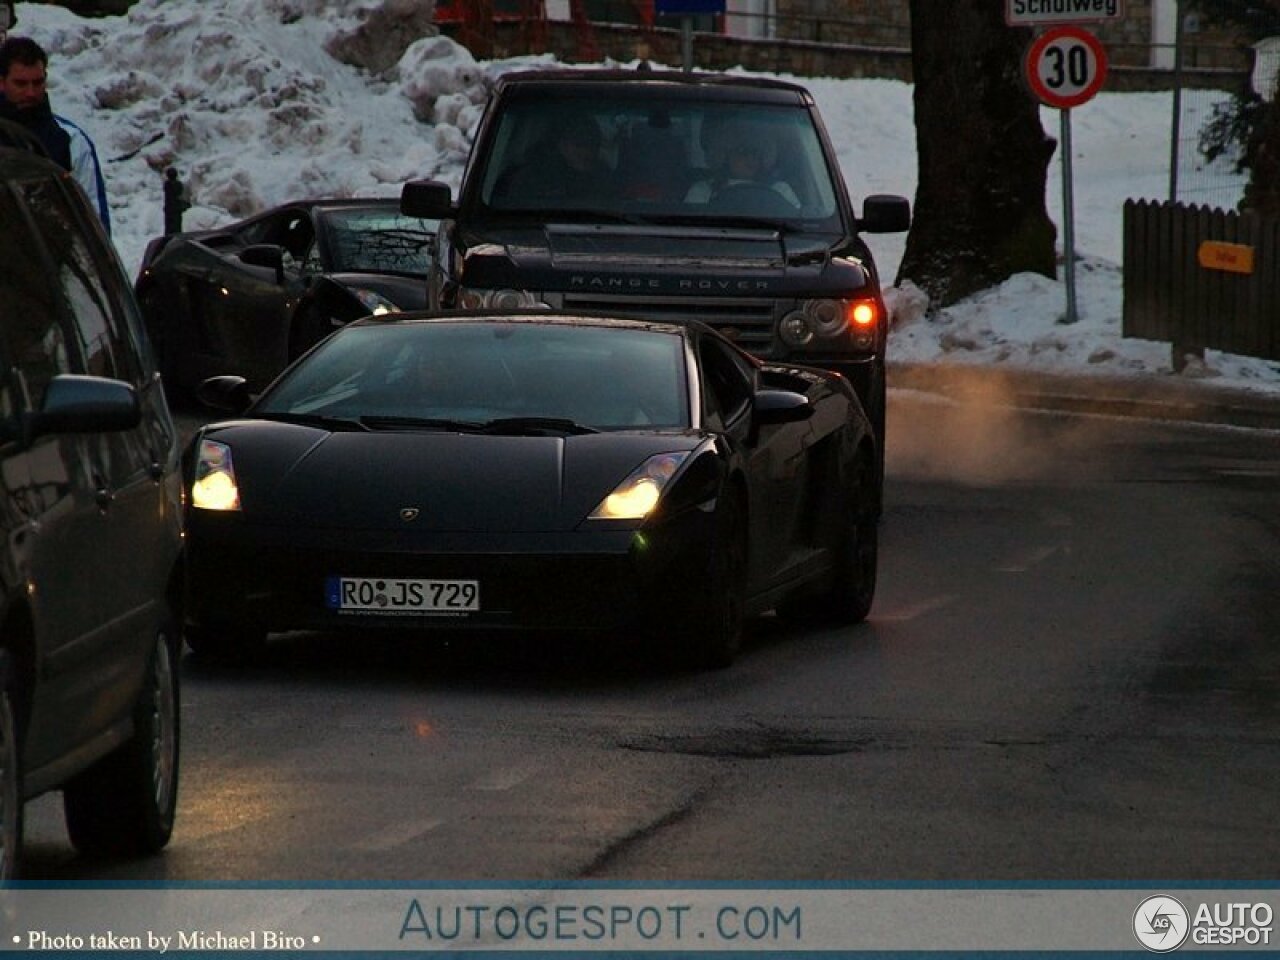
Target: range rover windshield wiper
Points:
(721, 220)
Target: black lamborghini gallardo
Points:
(643, 481)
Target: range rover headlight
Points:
(214, 486)
(857, 320)
(826, 317)
(636, 496)
(795, 329)
(504, 299)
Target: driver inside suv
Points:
(743, 159)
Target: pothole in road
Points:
(750, 744)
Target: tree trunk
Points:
(982, 154)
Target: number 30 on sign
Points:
(1066, 66)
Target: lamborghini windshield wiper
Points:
(534, 426)
(503, 426)
(386, 422)
(333, 424)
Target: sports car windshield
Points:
(489, 377)
(660, 160)
(378, 241)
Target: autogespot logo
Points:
(1161, 924)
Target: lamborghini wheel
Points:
(856, 554)
(714, 632)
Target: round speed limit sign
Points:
(1066, 66)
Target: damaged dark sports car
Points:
(530, 471)
(254, 295)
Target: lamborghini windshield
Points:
(488, 375)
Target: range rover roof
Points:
(676, 82)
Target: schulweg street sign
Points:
(1035, 13)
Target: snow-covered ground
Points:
(252, 102)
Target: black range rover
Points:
(707, 196)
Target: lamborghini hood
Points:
(430, 481)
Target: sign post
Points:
(1065, 67)
(686, 9)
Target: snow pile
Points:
(247, 100)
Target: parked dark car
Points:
(530, 471)
(254, 295)
(705, 196)
(91, 518)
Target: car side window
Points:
(726, 382)
(31, 312)
(102, 335)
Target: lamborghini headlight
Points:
(636, 496)
(374, 302)
(505, 299)
(214, 486)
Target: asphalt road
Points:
(1070, 673)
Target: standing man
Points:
(24, 100)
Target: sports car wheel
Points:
(868, 380)
(124, 804)
(853, 585)
(10, 775)
(714, 633)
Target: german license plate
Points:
(397, 597)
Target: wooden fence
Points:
(1202, 278)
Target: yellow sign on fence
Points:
(1232, 257)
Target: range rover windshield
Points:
(657, 160)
